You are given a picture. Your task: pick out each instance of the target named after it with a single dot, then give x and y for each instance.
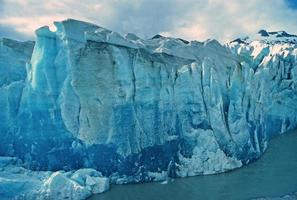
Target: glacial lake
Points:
(274, 174)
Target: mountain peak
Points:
(263, 33)
(277, 34)
(269, 37)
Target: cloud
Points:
(189, 19)
(1, 5)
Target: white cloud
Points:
(189, 19)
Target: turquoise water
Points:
(274, 174)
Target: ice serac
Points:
(141, 110)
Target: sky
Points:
(223, 20)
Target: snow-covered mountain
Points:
(274, 37)
(143, 110)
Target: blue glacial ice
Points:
(139, 110)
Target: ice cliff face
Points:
(13, 58)
(141, 110)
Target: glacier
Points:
(136, 110)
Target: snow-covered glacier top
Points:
(142, 109)
(82, 31)
(158, 44)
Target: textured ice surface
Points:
(17, 182)
(140, 110)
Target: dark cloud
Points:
(149, 17)
(10, 32)
(292, 3)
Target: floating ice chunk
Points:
(59, 186)
(19, 183)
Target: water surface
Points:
(274, 174)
